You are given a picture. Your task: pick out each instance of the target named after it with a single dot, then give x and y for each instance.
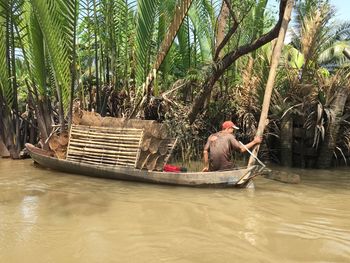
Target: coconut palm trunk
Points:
(328, 146)
(96, 47)
(15, 117)
(286, 138)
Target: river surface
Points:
(47, 216)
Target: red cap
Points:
(229, 124)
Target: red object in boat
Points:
(173, 168)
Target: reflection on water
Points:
(46, 216)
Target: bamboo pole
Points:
(112, 128)
(101, 151)
(88, 160)
(271, 79)
(100, 143)
(99, 158)
(105, 136)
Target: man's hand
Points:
(257, 139)
(205, 169)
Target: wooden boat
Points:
(230, 178)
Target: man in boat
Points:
(218, 149)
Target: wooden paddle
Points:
(252, 155)
(277, 175)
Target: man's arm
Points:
(257, 140)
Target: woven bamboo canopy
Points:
(108, 141)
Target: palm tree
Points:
(321, 44)
(338, 89)
(317, 37)
(9, 15)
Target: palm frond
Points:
(5, 87)
(343, 31)
(33, 45)
(183, 37)
(146, 18)
(49, 16)
(200, 19)
(123, 26)
(334, 53)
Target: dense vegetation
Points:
(196, 66)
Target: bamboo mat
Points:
(104, 146)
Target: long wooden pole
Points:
(272, 75)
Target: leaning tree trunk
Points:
(272, 75)
(222, 21)
(328, 146)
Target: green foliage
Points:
(49, 16)
(5, 89)
(146, 17)
(200, 15)
(117, 42)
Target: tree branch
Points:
(231, 31)
(232, 56)
(221, 65)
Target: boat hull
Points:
(196, 179)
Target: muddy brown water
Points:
(48, 216)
